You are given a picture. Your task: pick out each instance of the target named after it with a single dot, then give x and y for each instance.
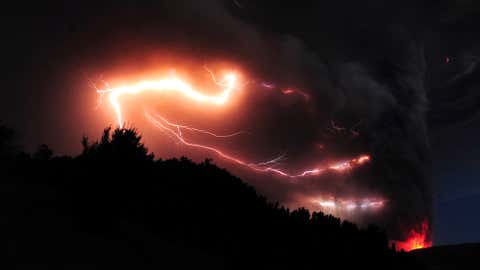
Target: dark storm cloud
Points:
(388, 94)
(457, 99)
(390, 98)
(362, 62)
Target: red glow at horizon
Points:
(417, 239)
(171, 84)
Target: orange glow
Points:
(362, 159)
(229, 84)
(417, 239)
(169, 84)
(349, 164)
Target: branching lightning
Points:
(169, 84)
(229, 85)
(267, 166)
(183, 127)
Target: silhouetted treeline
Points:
(115, 206)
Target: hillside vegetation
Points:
(116, 206)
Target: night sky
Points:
(48, 60)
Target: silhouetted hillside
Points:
(463, 256)
(115, 206)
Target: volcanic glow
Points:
(416, 239)
(229, 85)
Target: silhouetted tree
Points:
(43, 153)
(115, 205)
(7, 147)
(123, 144)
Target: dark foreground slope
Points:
(465, 256)
(114, 206)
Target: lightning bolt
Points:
(170, 84)
(174, 130)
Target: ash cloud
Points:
(390, 99)
(359, 70)
(457, 99)
(388, 95)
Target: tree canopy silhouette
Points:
(119, 145)
(115, 205)
(7, 147)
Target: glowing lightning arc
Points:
(175, 130)
(171, 84)
(260, 167)
(180, 127)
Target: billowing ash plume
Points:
(315, 90)
(343, 106)
(383, 100)
(389, 99)
(456, 98)
(395, 96)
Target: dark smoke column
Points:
(398, 139)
